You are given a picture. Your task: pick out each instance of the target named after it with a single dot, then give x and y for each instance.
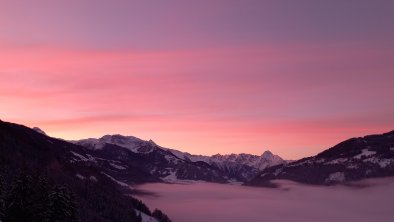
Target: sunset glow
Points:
(204, 77)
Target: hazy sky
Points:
(206, 77)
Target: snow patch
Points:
(352, 166)
(337, 177)
(123, 184)
(337, 161)
(383, 163)
(364, 152)
(277, 171)
(234, 182)
(170, 158)
(146, 217)
(79, 176)
(117, 166)
(171, 177)
(82, 158)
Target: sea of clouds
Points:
(369, 200)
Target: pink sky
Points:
(205, 77)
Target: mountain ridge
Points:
(351, 160)
(99, 197)
(229, 167)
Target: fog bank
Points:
(292, 202)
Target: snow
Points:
(177, 153)
(383, 163)
(196, 158)
(187, 156)
(145, 217)
(277, 171)
(337, 177)
(79, 176)
(131, 143)
(117, 166)
(293, 164)
(366, 153)
(93, 178)
(123, 184)
(170, 158)
(337, 161)
(267, 159)
(82, 158)
(352, 166)
(234, 182)
(171, 177)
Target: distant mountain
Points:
(30, 161)
(171, 165)
(353, 159)
(132, 161)
(242, 166)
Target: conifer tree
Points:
(160, 216)
(20, 200)
(62, 207)
(2, 198)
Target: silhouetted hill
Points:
(353, 159)
(98, 197)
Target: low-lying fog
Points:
(206, 202)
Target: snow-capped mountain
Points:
(267, 159)
(353, 159)
(131, 143)
(173, 166)
(241, 166)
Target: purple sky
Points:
(205, 77)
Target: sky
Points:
(206, 77)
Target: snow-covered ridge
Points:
(183, 166)
(137, 145)
(130, 142)
(267, 159)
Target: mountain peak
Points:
(38, 130)
(267, 153)
(152, 142)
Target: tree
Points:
(2, 198)
(160, 216)
(62, 207)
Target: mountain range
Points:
(104, 171)
(119, 155)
